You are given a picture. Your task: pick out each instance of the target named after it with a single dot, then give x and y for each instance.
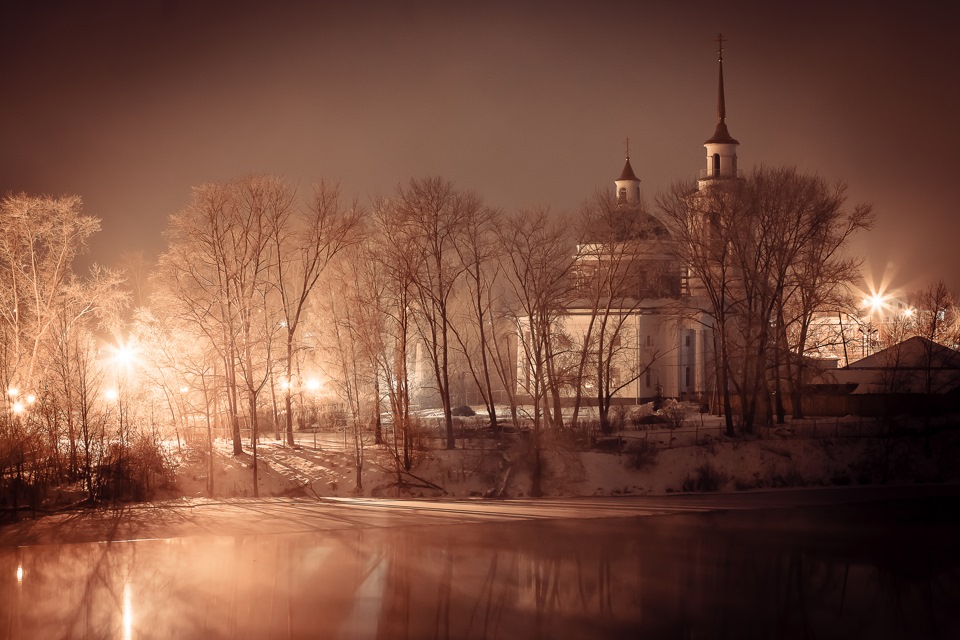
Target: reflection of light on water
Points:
(127, 613)
(19, 573)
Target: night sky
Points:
(129, 104)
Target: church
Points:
(636, 330)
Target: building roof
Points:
(627, 173)
(916, 365)
(914, 353)
(721, 135)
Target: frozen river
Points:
(836, 564)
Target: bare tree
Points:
(305, 241)
(354, 372)
(746, 244)
(217, 268)
(195, 275)
(816, 282)
(48, 315)
(392, 264)
(704, 227)
(622, 261)
(537, 261)
(41, 237)
(479, 254)
(432, 216)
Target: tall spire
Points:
(721, 134)
(721, 148)
(721, 107)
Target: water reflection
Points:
(778, 574)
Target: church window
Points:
(622, 195)
(648, 378)
(649, 341)
(686, 341)
(716, 164)
(686, 376)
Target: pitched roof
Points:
(914, 353)
(721, 135)
(627, 173)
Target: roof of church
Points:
(627, 173)
(721, 135)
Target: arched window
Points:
(622, 195)
(716, 165)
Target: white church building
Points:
(663, 343)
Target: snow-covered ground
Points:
(696, 457)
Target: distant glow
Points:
(18, 407)
(284, 384)
(313, 384)
(19, 573)
(31, 399)
(111, 395)
(908, 312)
(13, 392)
(123, 355)
(875, 302)
(184, 389)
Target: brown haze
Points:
(131, 104)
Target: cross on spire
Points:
(627, 144)
(721, 135)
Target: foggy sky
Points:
(130, 104)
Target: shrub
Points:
(705, 478)
(642, 454)
(651, 419)
(674, 413)
(463, 411)
(792, 478)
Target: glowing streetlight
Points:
(124, 355)
(875, 302)
(13, 392)
(31, 399)
(18, 407)
(312, 384)
(111, 395)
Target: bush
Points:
(705, 478)
(642, 454)
(133, 470)
(651, 419)
(463, 411)
(674, 413)
(792, 478)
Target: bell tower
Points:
(721, 147)
(628, 184)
